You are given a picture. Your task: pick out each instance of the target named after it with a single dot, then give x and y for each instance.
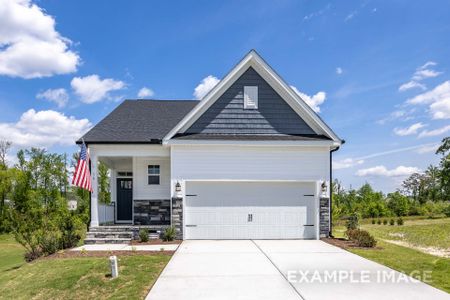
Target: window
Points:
(250, 97)
(125, 174)
(153, 174)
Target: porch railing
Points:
(106, 213)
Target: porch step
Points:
(90, 241)
(110, 234)
(111, 229)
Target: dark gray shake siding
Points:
(228, 116)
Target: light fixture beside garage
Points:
(324, 188)
(178, 189)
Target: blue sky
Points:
(378, 71)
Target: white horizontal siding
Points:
(250, 163)
(141, 189)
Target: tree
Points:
(104, 196)
(444, 165)
(5, 183)
(398, 203)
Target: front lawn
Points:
(408, 260)
(75, 278)
(425, 233)
(421, 232)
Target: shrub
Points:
(352, 222)
(143, 235)
(169, 234)
(399, 221)
(447, 211)
(373, 221)
(362, 238)
(50, 241)
(379, 222)
(385, 222)
(392, 222)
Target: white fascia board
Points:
(252, 59)
(331, 144)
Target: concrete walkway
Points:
(292, 269)
(126, 247)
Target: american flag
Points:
(82, 176)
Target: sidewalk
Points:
(126, 247)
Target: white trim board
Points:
(252, 59)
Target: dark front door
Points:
(124, 199)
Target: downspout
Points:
(331, 185)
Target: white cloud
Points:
(347, 163)
(145, 92)
(438, 100)
(409, 130)
(378, 171)
(44, 129)
(92, 89)
(410, 85)
(30, 46)
(313, 101)
(421, 73)
(398, 115)
(350, 16)
(205, 86)
(435, 132)
(427, 149)
(339, 70)
(58, 96)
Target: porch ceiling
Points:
(118, 162)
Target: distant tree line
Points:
(426, 193)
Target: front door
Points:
(124, 200)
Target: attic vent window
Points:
(250, 97)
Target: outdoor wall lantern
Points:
(324, 187)
(178, 189)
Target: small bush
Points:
(447, 211)
(362, 238)
(143, 235)
(373, 221)
(352, 222)
(169, 234)
(399, 221)
(379, 222)
(50, 241)
(392, 222)
(385, 222)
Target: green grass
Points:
(417, 231)
(75, 278)
(408, 260)
(425, 233)
(11, 253)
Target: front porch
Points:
(140, 192)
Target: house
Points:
(251, 160)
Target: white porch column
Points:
(94, 194)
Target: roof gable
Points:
(227, 114)
(253, 60)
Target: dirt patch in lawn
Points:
(155, 242)
(428, 250)
(73, 254)
(345, 244)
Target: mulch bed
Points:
(346, 244)
(76, 254)
(155, 242)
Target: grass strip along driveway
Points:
(75, 278)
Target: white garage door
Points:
(250, 210)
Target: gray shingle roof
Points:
(139, 121)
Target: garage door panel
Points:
(249, 210)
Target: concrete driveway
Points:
(290, 269)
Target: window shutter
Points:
(250, 97)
